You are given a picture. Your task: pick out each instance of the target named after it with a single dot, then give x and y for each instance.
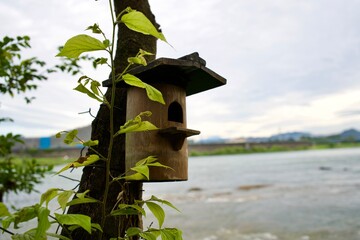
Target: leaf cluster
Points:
(17, 74)
(21, 177)
(44, 215)
(154, 205)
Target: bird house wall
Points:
(140, 145)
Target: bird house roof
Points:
(188, 72)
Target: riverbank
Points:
(63, 156)
(229, 149)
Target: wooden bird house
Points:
(175, 79)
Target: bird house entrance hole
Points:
(175, 113)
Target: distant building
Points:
(44, 143)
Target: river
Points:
(302, 195)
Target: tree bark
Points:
(93, 178)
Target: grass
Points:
(44, 161)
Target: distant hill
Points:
(350, 135)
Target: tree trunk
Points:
(93, 177)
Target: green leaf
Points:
(143, 169)
(133, 231)
(149, 235)
(153, 198)
(48, 196)
(64, 197)
(91, 143)
(83, 194)
(106, 42)
(82, 198)
(96, 226)
(157, 164)
(94, 86)
(171, 234)
(146, 161)
(133, 81)
(157, 211)
(94, 28)
(28, 235)
(137, 125)
(145, 53)
(58, 135)
(79, 44)
(138, 22)
(81, 88)
(81, 162)
(82, 201)
(128, 209)
(135, 177)
(137, 60)
(43, 223)
(3, 210)
(75, 219)
(100, 61)
(23, 215)
(57, 236)
(154, 94)
(69, 138)
(165, 235)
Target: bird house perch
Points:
(175, 79)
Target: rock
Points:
(324, 168)
(195, 189)
(252, 187)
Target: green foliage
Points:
(93, 91)
(70, 136)
(138, 22)
(153, 204)
(137, 125)
(43, 214)
(142, 170)
(3, 210)
(152, 93)
(76, 220)
(17, 177)
(7, 142)
(81, 162)
(17, 74)
(79, 44)
(21, 177)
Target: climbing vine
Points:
(74, 48)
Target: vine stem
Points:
(7, 231)
(112, 103)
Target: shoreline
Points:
(222, 149)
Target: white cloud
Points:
(281, 115)
(290, 65)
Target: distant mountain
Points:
(351, 134)
(347, 135)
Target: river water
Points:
(302, 195)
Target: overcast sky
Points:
(290, 65)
